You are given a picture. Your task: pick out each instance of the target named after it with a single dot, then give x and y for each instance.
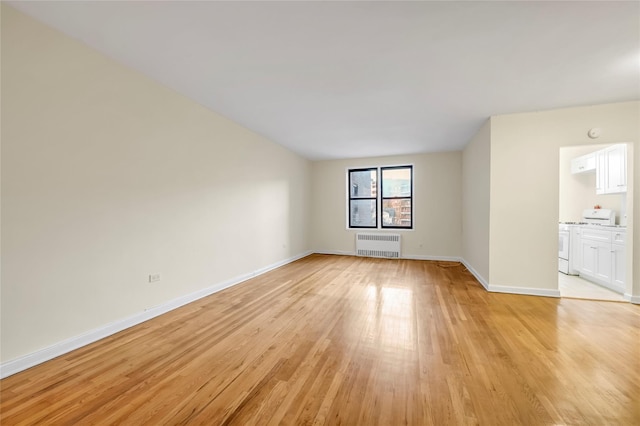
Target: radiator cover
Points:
(378, 245)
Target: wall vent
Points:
(378, 245)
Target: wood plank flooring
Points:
(342, 340)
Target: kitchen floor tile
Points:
(578, 288)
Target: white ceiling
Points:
(359, 79)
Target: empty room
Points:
(312, 212)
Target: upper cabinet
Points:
(583, 164)
(611, 169)
(610, 165)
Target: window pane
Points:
(363, 183)
(362, 213)
(396, 182)
(396, 212)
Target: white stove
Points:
(605, 217)
(568, 247)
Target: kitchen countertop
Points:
(617, 227)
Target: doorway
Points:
(600, 261)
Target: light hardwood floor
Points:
(347, 340)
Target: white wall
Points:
(108, 177)
(578, 191)
(633, 258)
(437, 205)
(476, 202)
(524, 187)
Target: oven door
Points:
(563, 251)
(563, 245)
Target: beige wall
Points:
(633, 258)
(476, 199)
(578, 191)
(525, 185)
(108, 177)
(437, 205)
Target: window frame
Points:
(374, 198)
(383, 198)
(379, 199)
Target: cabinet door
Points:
(577, 165)
(616, 165)
(583, 164)
(603, 262)
(588, 257)
(575, 248)
(601, 172)
(618, 266)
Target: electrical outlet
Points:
(154, 277)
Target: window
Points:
(363, 200)
(394, 195)
(397, 197)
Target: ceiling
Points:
(361, 79)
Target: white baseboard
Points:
(527, 291)
(436, 258)
(334, 252)
(476, 274)
(27, 361)
(410, 256)
(633, 299)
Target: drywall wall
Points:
(437, 205)
(108, 177)
(633, 187)
(578, 191)
(525, 186)
(476, 159)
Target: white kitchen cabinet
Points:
(596, 260)
(576, 246)
(618, 266)
(588, 260)
(618, 240)
(611, 169)
(616, 168)
(583, 164)
(603, 262)
(602, 257)
(601, 172)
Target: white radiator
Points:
(378, 245)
